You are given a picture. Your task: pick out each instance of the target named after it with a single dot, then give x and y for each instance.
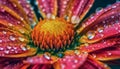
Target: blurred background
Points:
(98, 4)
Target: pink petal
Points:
(102, 15)
(107, 54)
(48, 8)
(91, 63)
(71, 61)
(99, 45)
(41, 59)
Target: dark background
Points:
(97, 4)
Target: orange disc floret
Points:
(53, 34)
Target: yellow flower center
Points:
(53, 34)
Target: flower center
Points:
(53, 34)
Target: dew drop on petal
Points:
(21, 39)
(90, 35)
(22, 31)
(12, 38)
(62, 66)
(0, 41)
(100, 30)
(1, 48)
(76, 61)
(47, 56)
(109, 53)
(99, 9)
(6, 52)
(23, 48)
(9, 47)
(4, 32)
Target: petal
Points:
(77, 10)
(13, 44)
(41, 59)
(14, 9)
(29, 12)
(21, 7)
(63, 5)
(103, 24)
(71, 61)
(13, 21)
(42, 66)
(48, 8)
(11, 64)
(107, 54)
(99, 45)
(91, 63)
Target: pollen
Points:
(53, 34)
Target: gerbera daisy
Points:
(60, 39)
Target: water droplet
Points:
(21, 39)
(86, 44)
(4, 32)
(76, 61)
(12, 38)
(23, 48)
(77, 52)
(105, 65)
(100, 30)
(27, 1)
(47, 56)
(3, 10)
(64, 2)
(85, 52)
(15, 48)
(109, 53)
(22, 18)
(1, 41)
(62, 66)
(49, 15)
(94, 56)
(90, 35)
(9, 47)
(1, 48)
(16, 51)
(99, 9)
(6, 52)
(75, 19)
(101, 35)
(113, 6)
(112, 16)
(22, 31)
(10, 24)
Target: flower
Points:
(60, 39)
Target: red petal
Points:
(11, 10)
(11, 64)
(96, 18)
(13, 44)
(63, 5)
(77, 10)
(20, 8)
(107, 54)
(48, 8)
(41, 59)
(12, 23)
(91, 63)
(103, 24)
(100, 45)
(27, 8)
(73, 61)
